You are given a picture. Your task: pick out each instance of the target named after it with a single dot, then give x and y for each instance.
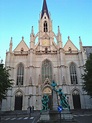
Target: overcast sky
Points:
(18, 16)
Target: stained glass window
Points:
(20, 74)
(46, 70)
(73, 74)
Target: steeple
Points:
(44, 9)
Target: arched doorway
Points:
(48, 92)
(18, 100)
(76, 99)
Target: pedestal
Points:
(45, 116)
(55, 100)
(66, 115)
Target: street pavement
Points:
(83, 118)
(80, 116)
(20, 117)
(19, 120)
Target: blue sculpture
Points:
(54, 84)
(45, 101)
(63, 100)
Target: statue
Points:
(45, 101)
(63, 100)
(54, 84)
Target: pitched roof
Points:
(44, 9)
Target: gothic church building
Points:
(34, 68)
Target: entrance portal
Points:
(18, 101)
(76, 100)
(48, 92)
(50, 104)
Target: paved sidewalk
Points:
(82, 111)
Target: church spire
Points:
(44, 9)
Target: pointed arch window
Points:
(20, 74)
(45, 26)
(73, 74)
(46, 70)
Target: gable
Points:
(21, 45)
(68, 45)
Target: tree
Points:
(5, 82)
(87, 76)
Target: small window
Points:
(22, 49)
(70, 50)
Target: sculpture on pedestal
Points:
(63, 100)
(45, 101)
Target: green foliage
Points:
(87, 76)
(5, 82)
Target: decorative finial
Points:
(80, 43)
(32, 31)
(22, 38)
(79, 38)
(58, 29)
(11, 38)
(68, 37)
(11, 41)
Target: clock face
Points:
(45, 42)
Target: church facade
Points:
(34, 68)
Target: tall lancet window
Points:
(46, 70)
(73, 74)
(45, 26)
(20, 74)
